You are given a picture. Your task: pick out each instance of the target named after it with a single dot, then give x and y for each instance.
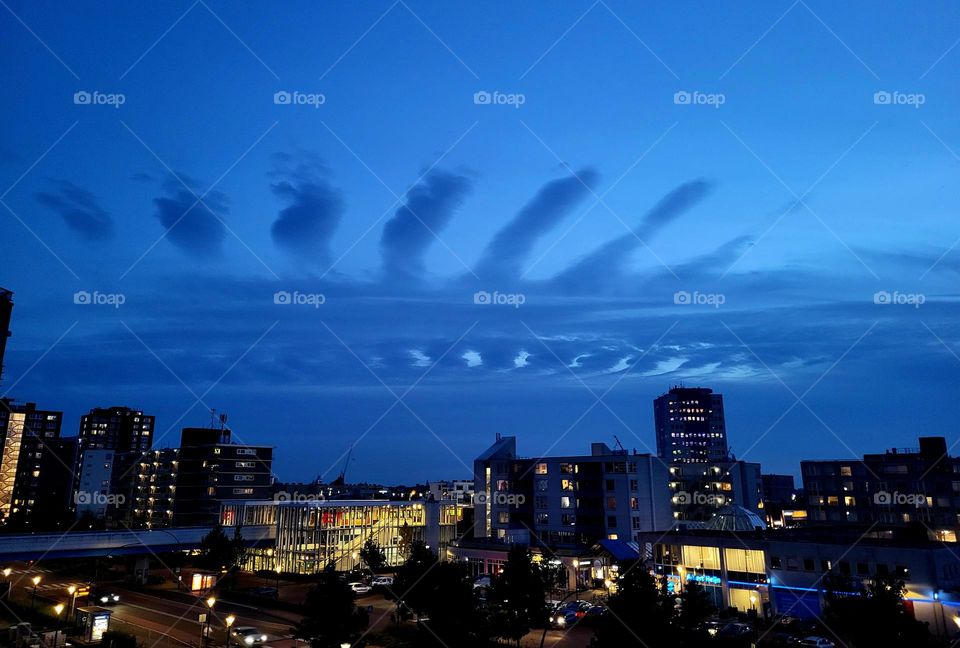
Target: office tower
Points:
(93, 490)
(24, 431)
(698, 491)
(690, 426)
(6, 309)
(116, 428)
(213, 469)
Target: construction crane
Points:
(341, 479)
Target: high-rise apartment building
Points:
(116, 428)
(145, 484)
(213, 469)
(690, 426)
(6, 310)
(25, 432)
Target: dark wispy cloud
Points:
(314, 210)
(193, 225)
(511, 246)
(427, 209)
(79, 208)
(607, 262)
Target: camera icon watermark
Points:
(897, 98)
(500, 499)
(688, 498)
(296, 98)
(96, 498)
(297, 298)
(497, 98)
(697, 98)
(97, 98)
(697, 298)
(496, 298)
(897, 298)
(97, 298)
(896, 498)
(296, 496)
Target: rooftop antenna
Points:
(223, 421)
(213, 418)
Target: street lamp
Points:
(277, 569)
(211, 601)
(229, 621)
(72, 591)
(33, 598)
(6, 573)
(58, 608)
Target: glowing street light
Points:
(72, 591)
(229, 621)
(33, 598)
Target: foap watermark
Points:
(497, 98)
(697, 298)
(97, 98)
(500, 499)
(897, 98)
(296, 496)
(296, 98)
(97, 298)
(499, 299)
(697, 98)
(687, 498)
(898, 298)
(96, 498)
(896, 498)
(297, 298)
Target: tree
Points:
(518, 597)
(331, 616)
(373, 555)
(455, 615)
(410, 585)
(638, 615)
(890, 623)
(221, 552)
(695, 608)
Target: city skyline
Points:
(491, 210)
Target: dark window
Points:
(808, 564)
(863, 569)
(775, 562)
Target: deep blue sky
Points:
(399, 197)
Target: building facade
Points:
(699, 490)
(568, 502)
(212, 469)
(24, 433)
(6, 311)
(912, 486)
(690, 426)
(460, 490)
(94, 485)
(116, 428)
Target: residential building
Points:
(93, 488)
(24, 433)
(212, 469)
(148, 483)
(699, 490)
(54, 508)
(900, 486)
(690, 426)
(567, 502)
(117, 428)
(460, 490)
(6, 310)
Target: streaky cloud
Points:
(512, 244)
(79, 209)
(428, 208)
(607, 262)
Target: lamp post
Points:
(72, 591)
(33, 597)
(229, 621)
(277, 569)
(58, 608)
(211, 601)
(6, 573)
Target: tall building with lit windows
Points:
(6, 310)
(116, 428)
(25, 433)
(690, 426)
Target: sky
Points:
(406, 227)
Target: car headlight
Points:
(116, 597)
(561, 621)
(263, 637)
(104, 599)
(248, 639)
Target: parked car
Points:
(382, 581)
(248, 635)
(780, 639)
(734, 631)
(360, 588)
(817, 642)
